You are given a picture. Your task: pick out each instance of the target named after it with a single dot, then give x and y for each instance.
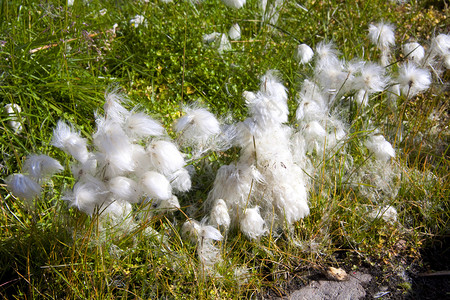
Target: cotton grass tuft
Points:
(23, 187)
(304, 53)
(41, 166)
(197, 128)
(235, 32)
(65, 138)
(252, 224)
(13, 110)
(381, 148)
(234, 3)
(412, 79)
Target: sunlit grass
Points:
(56, 62)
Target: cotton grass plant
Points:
(224, 166)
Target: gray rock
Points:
(336, 290)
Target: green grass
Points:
(56, 62)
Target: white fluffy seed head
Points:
(209, 232)
(13, 110)
(227, 185)
(270, 10)
(89, 194)
(24, 187)
(234, 3)
(309, 110)
(89, 167)
(156, 186)
(117, 210)
(381, 148)
(311, 91)
(197, 232)
(387, 213)
(413, 51)
(329, 71)
(114, 111)
(249, 96)
(314, 130)
(273, 88)
(326, 57)
(227, 137)
(196, 126)
(115, 164)
(219, 214)
(362, 97)
(138, 20)
(116, 215)
(412, 79)
(252, 224)
(217, 40)
(41, 166)
(304, 53)
(337, 134)
(440, 45)
(447, 61)
(382, 35)
(110, 138)
(66, 139)
(124, 188)
(290, 197)
(235, 32)
(224, 44)
(165, 157)
(315, 136)
(208, 253)
(354, 67)
(191, 230)
(180, 180)
(171, 204)
(141, 160)
(268, 107)
(210, 38)
(372, 78)
(140, 125)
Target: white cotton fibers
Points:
(41, 166)
(381, 148)
(165, 157)
(156, 186)
(219, 214)
(66, 139)
(304, 53)
(23, 187)
(252, 224)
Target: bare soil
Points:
(426, 279)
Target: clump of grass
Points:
(57, 61)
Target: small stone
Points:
(337, 274)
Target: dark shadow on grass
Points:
(433, 281)
(23, 260)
